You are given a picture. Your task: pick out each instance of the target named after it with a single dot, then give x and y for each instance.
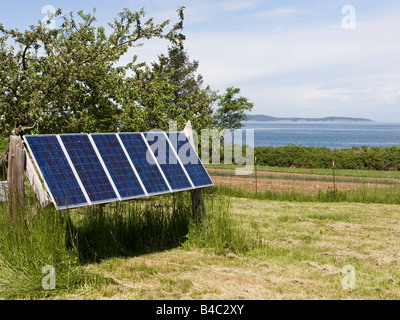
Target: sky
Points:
(290, 58)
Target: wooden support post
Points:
(41, 194)
(334, 176)
(199, 210)
(255, 171)
(15, 176)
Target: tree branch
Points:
(113, 48)
(23, 57)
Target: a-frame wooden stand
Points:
(19, 162)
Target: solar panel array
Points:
(86, 169)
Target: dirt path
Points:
(286, 184)
(303, 175)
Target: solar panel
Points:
(81, 169)
(89, 168)
(190, 160)
(147, 168)
(55, 170)
(118, 165)
(168, 161)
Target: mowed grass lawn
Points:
(305, 247)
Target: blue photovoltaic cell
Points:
(63, 184)
(118, 165)
(148, 171)
(167, 160)
(190, 160)
(88, 167)
(56, 171)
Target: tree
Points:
(65, 80)
(231, 111)
(171, 89)
(192, 101)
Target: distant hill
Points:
(264, 118)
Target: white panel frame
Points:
(180, 162)
(82, 204)
(74, 170)
(202, 186)
(72, 165)
(40, 171)
(104, 167)
(149, 194)
(156, 162)
(119, 198)
(145, 194)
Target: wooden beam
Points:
(42, 195)
(189, 133)
(15, 176)
(198, 208)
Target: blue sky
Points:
(291, 58)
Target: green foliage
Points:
(231, 111)
(130, 227)
(70, 79)
(362, 195)
(363, 158)
(169, 90)
(220, 232)
(25, 250)
(3, 148)
(67, 240)
(66, 79)
(3, 144)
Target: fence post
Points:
(15, 175)
(334, 176)
(255, 172)
(199, 210)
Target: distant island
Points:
(264, 118)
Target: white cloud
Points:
(248, 55)
(237, 5)
(312, 69)
(278, 13)
(308, 68)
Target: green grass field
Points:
(250, 246)
(3, 144)
(304, 250)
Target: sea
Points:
(333, 135)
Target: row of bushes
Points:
(361, 158)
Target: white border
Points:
(149, 194)
(202, 186)
(180, 162)
(96, 201)
(82, 204)
(40, 171)
(104, 167)
(143, 189)
(119, 198)
(74, 170)
(155, 161)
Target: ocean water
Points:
(334, 135)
